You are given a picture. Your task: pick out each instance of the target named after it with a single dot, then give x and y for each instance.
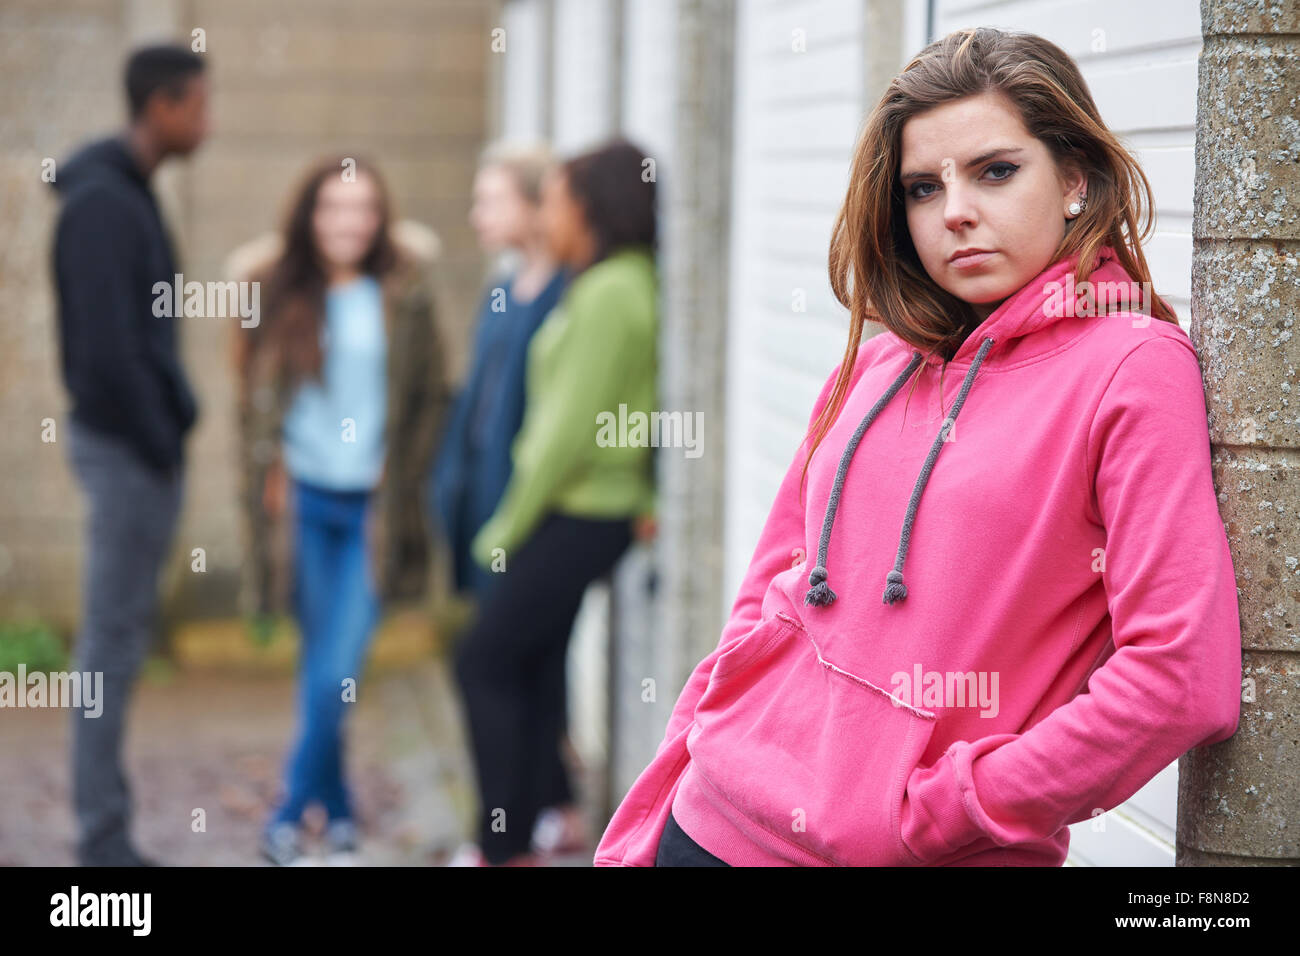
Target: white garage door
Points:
(523, 70)
(798, 107)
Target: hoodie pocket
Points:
(813, 758)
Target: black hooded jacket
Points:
(120, 361)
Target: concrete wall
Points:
(1238, 801)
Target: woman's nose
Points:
(958, 207)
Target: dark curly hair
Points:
(617, 193)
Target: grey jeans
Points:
(131, 514)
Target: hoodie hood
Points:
(104, 159)
(1008, 335)
(1037, 306)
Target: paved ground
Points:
(211, 732)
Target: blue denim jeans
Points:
(337, 607)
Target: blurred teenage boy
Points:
(131, 408)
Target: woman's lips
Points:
(972, 260)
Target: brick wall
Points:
(402, 81)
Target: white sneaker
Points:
(560, 833)
(467, 854)
(343, 844)
(281, 844)
(548, 831)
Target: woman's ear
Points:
(1074, 180)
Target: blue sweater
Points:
(473, 465)
(334, 429)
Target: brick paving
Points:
(212, 733)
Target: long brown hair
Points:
(875, 271)
(295, 283)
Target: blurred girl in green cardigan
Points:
(575, 500)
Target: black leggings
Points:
(510, 666)
(676, 848)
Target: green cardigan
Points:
(597, 350)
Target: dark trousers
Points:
(676, 848)
(510, 666)
(131, 514)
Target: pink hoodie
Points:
(1055, 622)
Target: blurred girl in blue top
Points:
(342, 401)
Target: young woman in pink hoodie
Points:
(955, 637)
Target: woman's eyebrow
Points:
(981, 158)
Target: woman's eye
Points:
(1001, 172)
(1009, 167)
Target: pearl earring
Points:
(1078, 207)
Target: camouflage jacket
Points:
(418, 401)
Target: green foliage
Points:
(263, 630)
(32, 643)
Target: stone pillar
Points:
(694, 221)
(882, 47)
(1238, 801)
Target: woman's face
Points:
(345, 220)
(500, 214)
(564, 223)
(959, 193)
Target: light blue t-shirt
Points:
(334, 429)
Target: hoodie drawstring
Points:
(820, 593)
